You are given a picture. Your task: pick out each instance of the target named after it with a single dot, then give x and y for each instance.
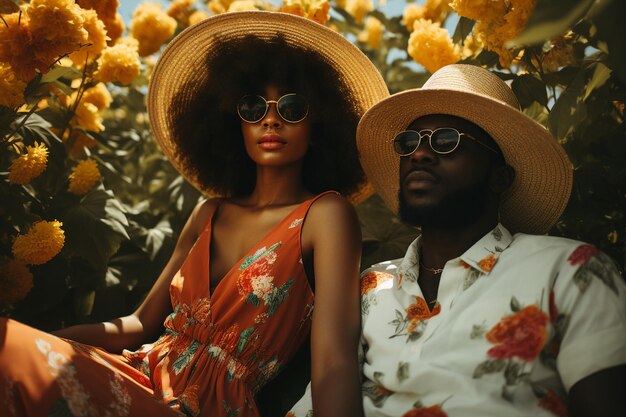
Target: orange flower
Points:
(554, 404)
(419, 311)
(432, 411)
(522, 334)
(486, 264)
(371, 280)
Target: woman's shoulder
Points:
(331, 210)
(202, 212)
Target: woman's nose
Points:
(272, 118)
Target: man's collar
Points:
(482, 256)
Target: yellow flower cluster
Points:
(372, 34)
(96, 38)
(198, 16)
(499, 21)
(107, 13)
(359, 8)
(11, 87)
(19, 49)
(433, 10)
(219, 6)
(316, 10)
(58, 23)
(16, 281)
(119, 63)
(83, 177)
(43, 242)
(181, 10)
(242, 6)
(431, 46)
(151, 26)
(99, 96)
(30, 165)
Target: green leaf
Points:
(60, 72)
(243, 338)
(463, 28)
(609, 21)
(569, 110)
(156, 237)
(601, 74)
(550, 18)
(95, 227)
(529, 89)
(9, 6)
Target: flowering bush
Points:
(91, 209)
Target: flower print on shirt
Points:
(593, 263)
(412, 322)
(518, 339)
(375, 391)
(369, 281)
(551, 402)
(419, 411)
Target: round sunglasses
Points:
(443, 140)
(292, 108)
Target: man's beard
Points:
(458, 209)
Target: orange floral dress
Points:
(217, 350)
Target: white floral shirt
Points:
(519, 320)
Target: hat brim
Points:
(543, 173)
(183, 63)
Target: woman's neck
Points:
(277, 186)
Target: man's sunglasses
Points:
(292, 108)
(443, 141)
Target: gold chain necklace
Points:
(435, 271)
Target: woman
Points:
(261, 109)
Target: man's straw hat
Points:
(182, 65)
(543, 172)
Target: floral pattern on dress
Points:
(369, 281)
(75, 400)
(412, 322)
(256, 284)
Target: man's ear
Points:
(501, 179)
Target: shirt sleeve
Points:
(588, 310)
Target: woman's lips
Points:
(271, 141)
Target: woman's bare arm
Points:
(336, 240)
(145, 323)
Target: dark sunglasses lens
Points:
(444, 140)
(251, 108)
(406, 142)
(293, 107)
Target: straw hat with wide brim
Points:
(543, 172)
(182, 65)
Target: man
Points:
(483, 316)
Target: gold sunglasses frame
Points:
(267, 108)
(430, 135)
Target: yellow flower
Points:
(106, 9)
(97, 37)
(11, 88)
(561, 53)
(77, 143)
(359, 8)
(316, 10)
(17, 48)
(373, 32)
(480, 9)
(98, 95)
(84, 176)
(119, 63)
(151, 26)
(181, 10)
(413, 12)
(219, 6)
(115, 28)
(242, 6)
(43, 242)
(471, 46)
(198, 16)
(30, 165)
(88, 117)
(16, 281)
(437, 10)
(58, 24)
(431, 46)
